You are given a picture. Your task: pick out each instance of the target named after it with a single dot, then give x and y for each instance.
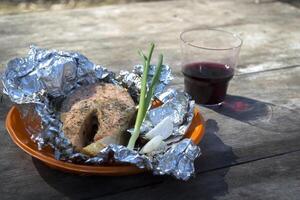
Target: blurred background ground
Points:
(21, 6)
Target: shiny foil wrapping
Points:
(43, 79)
(132, 80)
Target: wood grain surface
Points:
(252, 143)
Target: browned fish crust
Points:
(104, 109)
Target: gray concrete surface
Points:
(252, 154)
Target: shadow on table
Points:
(211, 169)
(215, 154)
(83, 187)
(208, 183)
(214, 163)
(260, 114)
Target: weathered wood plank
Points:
(270, 102)
(111, 35)
(268, 179)
(260, 118)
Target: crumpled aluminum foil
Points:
(176, 104)
(45, 77)
(132, 80)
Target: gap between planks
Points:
(267, 70)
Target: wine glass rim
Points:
(212, 29)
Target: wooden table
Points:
(251, 149)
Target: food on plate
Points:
(96, 115)
(163, 128)
(87, 114)
(154, 144)
(94, 148)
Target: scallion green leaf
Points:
(145, 97)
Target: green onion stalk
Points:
(145, 95)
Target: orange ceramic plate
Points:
(21, 137)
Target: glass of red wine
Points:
(209, 57)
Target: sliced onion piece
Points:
(163, 128)
(154, 144)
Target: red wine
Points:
(207, 82)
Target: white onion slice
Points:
(154, 144)
(163, 128)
